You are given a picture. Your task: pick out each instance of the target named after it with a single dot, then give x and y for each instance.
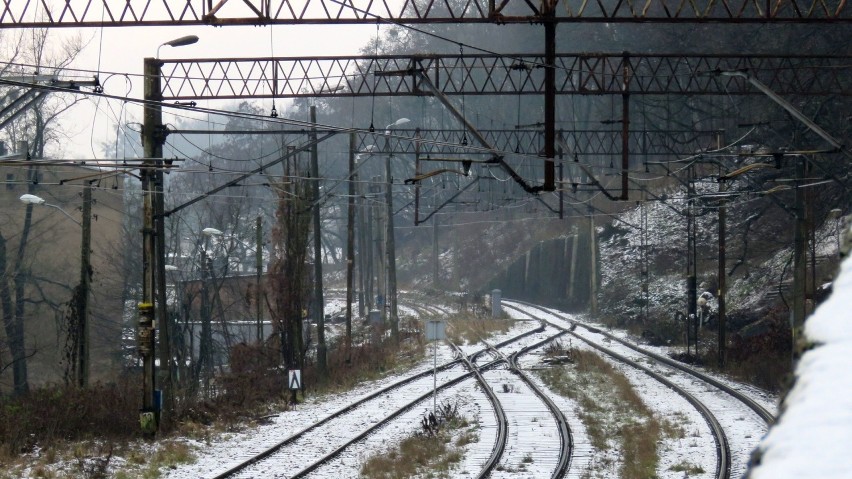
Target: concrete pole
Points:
(593, 260)
(723, 327)
(164, 374)
(83, 298)
(379, 254)
(319, 315)
(390, 250)
(146, 335)
(258, 256)
(350, 244)
(436, 261)
(799, 257)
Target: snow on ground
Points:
(465, 395)
(814, 433)
(228, 450)
(696, 447)
(583, 452)
(532, 442)
(225, 451)
(742, 426)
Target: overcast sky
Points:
(122, 50)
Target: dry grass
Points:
(613, 413)
(430, 454)
(100, 460)
(688, 468)
(467, 328)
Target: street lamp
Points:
(212, 232)
(37, 200)
(178, 42)
(81, 299)
(153, 250)
(399, 122)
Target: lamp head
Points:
(212, 232)
(32, 199)
(399, 122)
(179, 42)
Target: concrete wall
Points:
(52, 261)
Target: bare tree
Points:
(39, 127)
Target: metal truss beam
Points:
(576, 74)
(584, 145)
(115, 13)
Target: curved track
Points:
(502, 421)
(252, 466)
(723, 454)
(747, 401)
(566, 442)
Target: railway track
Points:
(750, 403)
(723, 454)
(300, 448)
(563, 431)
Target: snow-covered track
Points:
(723, 452)
(502, 421)
(566, 439)
(749, 402)
(244, 468)
(565, 448)
(236, 469)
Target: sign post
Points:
(294, 379)
(436, 330)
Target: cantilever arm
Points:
(64, 213)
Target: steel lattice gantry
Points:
(513, 74)
(443, 75)
(106, 13)
(649, 144)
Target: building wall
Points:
(52, 261)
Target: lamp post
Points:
(178, 42)
(81, 297)
(153, 245)
(37, 200)
(390, 246)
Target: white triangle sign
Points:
(294, 379)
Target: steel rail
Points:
(424, 397)
(723, 452)
(749, 402)
(565, 436)
(292, 438)
(499, 413)
(272, 450)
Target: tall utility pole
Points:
(375, 216)
(151, 142)
(204, 366)
(391, 252)
(691, 269)
(319, 315)
(350, 243)
(164, 373)
(723, 327)
(258, 257)
(83, 296)
(593, 263)
(436, 266)
(365, 225)
(363, 249)
(797, 318)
